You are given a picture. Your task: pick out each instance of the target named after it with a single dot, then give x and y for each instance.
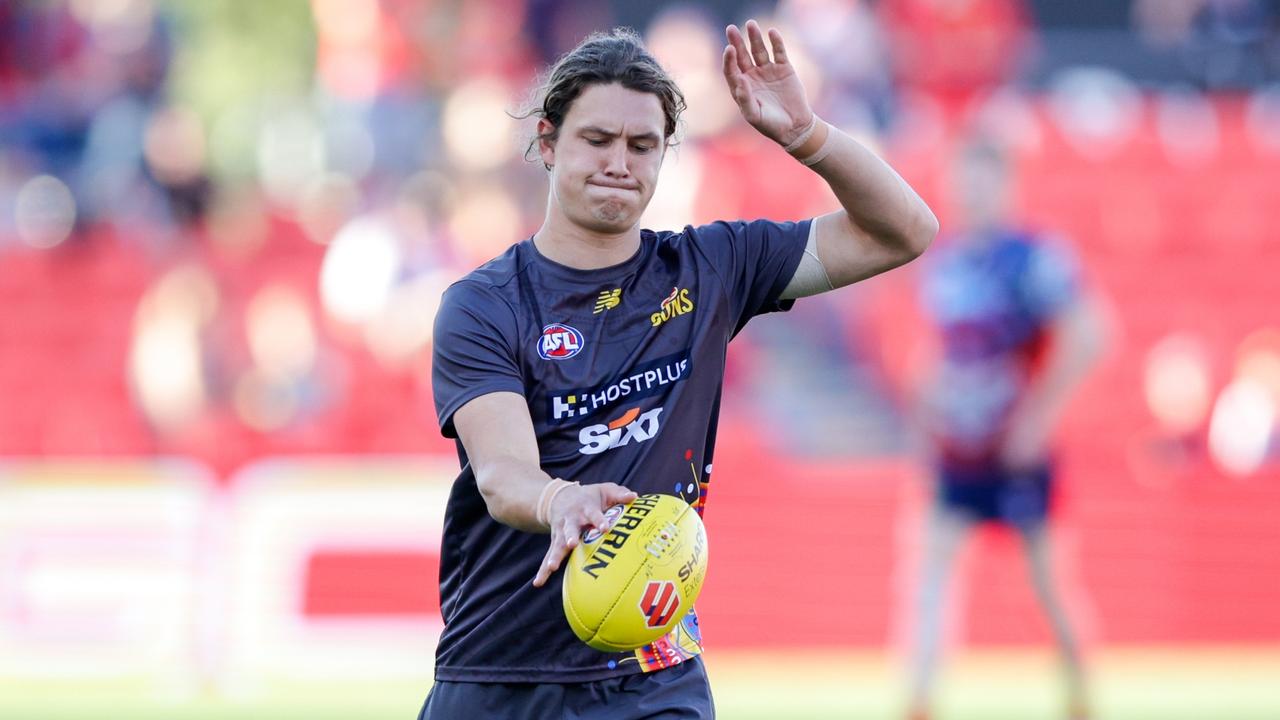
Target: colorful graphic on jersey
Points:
(684, 642)
(694, 493)
(631, 426)
(608, 300)
(641, 381)
(676, 304)
(559, 342)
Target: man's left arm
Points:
(884, 223)
(1076, 338)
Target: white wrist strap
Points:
(821, 153)
(805, 134)
(549, 491)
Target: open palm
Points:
(767, 89)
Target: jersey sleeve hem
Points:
(784, 278)
(497, 385)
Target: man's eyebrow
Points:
(610, 134)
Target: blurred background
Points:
(225, 227)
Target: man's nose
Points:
(616, 160)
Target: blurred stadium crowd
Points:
(224, 226)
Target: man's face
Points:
(605, 163)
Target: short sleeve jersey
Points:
(991, 302)
(621, 368)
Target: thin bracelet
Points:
(805, 134)
(549, 491)
(539, 510)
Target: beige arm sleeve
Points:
(811, 275)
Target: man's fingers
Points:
(738, 88)
(572, 530)
(544, 570)
(730, 65)
(779, 50)
(560, 547)
(613, 494)
(759, 51)
(739, 43)
(595, 519)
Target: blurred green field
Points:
(1150, 684)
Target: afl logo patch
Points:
(559, 342)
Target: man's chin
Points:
(615, 216)
(604, 227)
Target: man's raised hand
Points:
(766, 88)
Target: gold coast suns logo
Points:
(677, 303)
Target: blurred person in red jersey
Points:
(956, 48)
(1018, 331)
(584, 366)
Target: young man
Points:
(1017, 333)
(584, 366)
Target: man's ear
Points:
(546, 146)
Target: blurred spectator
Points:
(845, 41)
(354, 156)
(1017, 332)
(555, 26)
(1221, 43)
(956, 48)
(84, 81)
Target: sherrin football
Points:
(630, 585)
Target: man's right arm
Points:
(497, 433)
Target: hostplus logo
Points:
(608, 300)
(631, 426)
(643, 380)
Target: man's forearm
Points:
(511, 489)
(876, 199)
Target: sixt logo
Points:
(559, 342)
(641, 381)
(630, 427)
(677, 303)
(608, 300)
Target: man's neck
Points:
(572, 245)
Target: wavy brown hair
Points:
(618, 56)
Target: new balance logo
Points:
(660, 602)
(608, 300)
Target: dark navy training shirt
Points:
(622, 369)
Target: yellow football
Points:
(630, 585)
